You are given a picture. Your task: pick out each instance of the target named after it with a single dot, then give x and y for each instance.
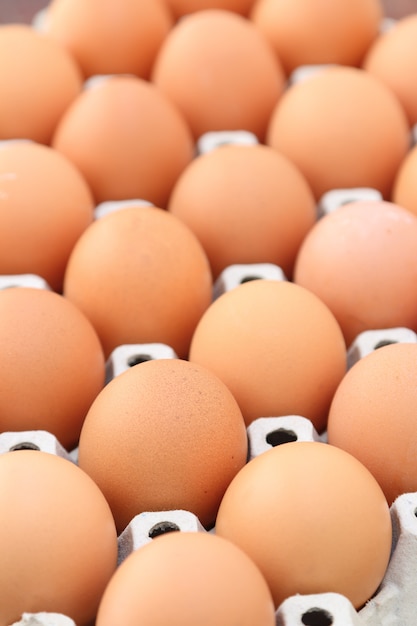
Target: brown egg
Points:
(52, 364)
(305, 33)
(58, 540)
(372, 416)
(165, 434)
(141, 276)
(393, 59)
(246, 204)
(183, 7)
(45, 206)
(127, 139)
(343, 128)
(38, 81)
(276, 346)
(313, 519)
(105, 38)
(220, 72)
(223, 586)
(361, 260)
(404, 191)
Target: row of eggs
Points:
(146, 273)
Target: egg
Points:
(343, 128)
(109, 38)
(127, 139)
(361, 261)
(45, 206)
(187, 578)
(392, 60)
(404, 191)
(372, 417)
(57, 538)
(246, 204)
(38, 81)
(221, 73)
(52, 364)
(165, 434)
(180, 8)
(304, 33)
(277, 347)
(140, 276)
(312, 518)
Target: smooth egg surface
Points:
(313, 519)
(126, 138)
(58, 539)
(183, 7)
(305, 33)
(277, 347)
(105, 37)
(372, 416)
(52, 364)
(187, 578)
(246, 204)
(361, 260)
(392, 58)
(343, 128)
(404, 190)
(45, 206)
(140, 275)
(220, 72)
(38, 81)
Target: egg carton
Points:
(394, 602)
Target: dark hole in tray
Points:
(135, 359)
(161, 528)
(317, 617)
(384, 342)
(248, 279)
(277, 437)
(24, 445)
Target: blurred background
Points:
(24, 10)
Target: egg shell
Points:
(342, 127)
(126, 138)
(140, 276)
(109, 38)
(166, 434)
(392, 58)
(313, 519)
(52, 365)
(38, 81)
(220, 72)
(183, 7)
(404, 190)
(276, 346)
(187, 578)
(304, 33)
(246, 204)
(361, 261)
(45, 206)
(372, 417)
(58, 538)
